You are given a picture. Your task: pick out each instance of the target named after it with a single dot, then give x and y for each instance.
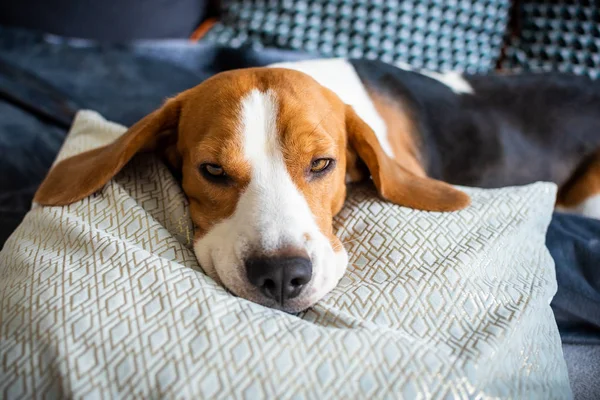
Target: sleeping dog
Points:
(265, 155)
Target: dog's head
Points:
(264, 155)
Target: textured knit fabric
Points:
(104, 298)
(556, 35)
(431, 34)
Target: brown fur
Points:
(394, 182)
(82, 175)
(584, 183)
(313, 122)
(316, 132)
(400, 132)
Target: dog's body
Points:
(482, 130)
(494, 131)
(266, 153)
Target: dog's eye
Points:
(213, 172)
(320, 165)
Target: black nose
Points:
(279, 278)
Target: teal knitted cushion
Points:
(561, 35)
(430, 34)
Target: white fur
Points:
(590, 207)
(271, 214)
(338, 75)
(454, 80)
(404, 66)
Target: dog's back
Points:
(494, 130)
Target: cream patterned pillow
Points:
(104, 299)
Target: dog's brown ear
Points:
(394, 182)
(80, 176)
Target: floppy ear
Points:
(394, 182)
(80, 176)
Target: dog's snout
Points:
(279, 278)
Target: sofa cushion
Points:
(556, 36)
(431, 34)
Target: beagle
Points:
(265, 155)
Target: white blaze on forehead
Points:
(271, 214)
(276, 207)
(339, 76)
(259, 127)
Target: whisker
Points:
(351, 241)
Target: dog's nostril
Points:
(279, 278)
(269, 284)
(300, 281)
(269, 289)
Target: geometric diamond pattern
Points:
(104, 298)
(437, 35)
(556, 35)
